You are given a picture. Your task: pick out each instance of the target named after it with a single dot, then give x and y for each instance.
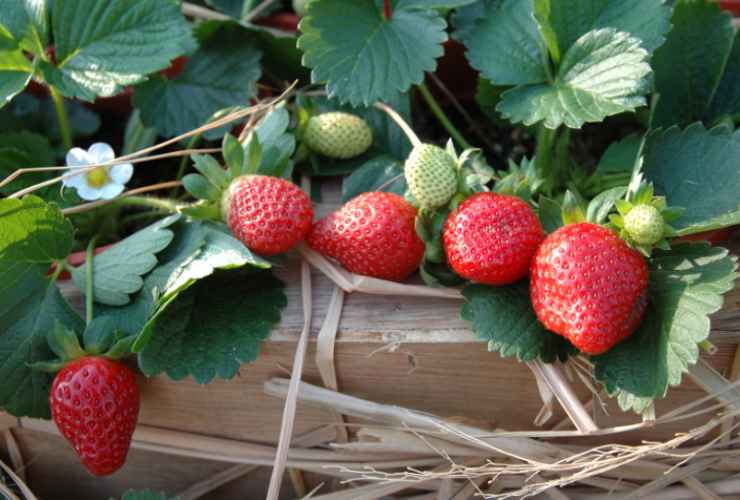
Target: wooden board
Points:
(414, 352)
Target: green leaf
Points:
(465, 18)
(214, 327)
(211, 170)
(381, 173)
(102, 46)
(503, 316)
(689, 66)
(685, 286)
(33, 231)
(696, 169)
(270, 146)
(603, 203)
(726, 101)
(117, 272)
(25, 149)
(24, 24)
(550, 214)
(30, 306)
(146, 495)
(222, 73)
(13, 76)
(198, 249)
(646, 20)
(64, 342)
(364, 58)
(433, 4)
(604, 73)
(198, 186)
(506, 46)
(233, 154)
(137, 136)
(237, 9)
(99, 335)
(620, 156)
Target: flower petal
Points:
(121, 173)
(101, 152)
(111, 190)
(87, 192)
(73, 180)
(77, 157)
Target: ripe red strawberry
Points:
(95, 404)
(589, 286)
(268, 214)
(491, 238)
(373, 235)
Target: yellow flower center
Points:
(97, 177)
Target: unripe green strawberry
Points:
(301, 7)
(338, 135)
(431, 174)
(644, 224)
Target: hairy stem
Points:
(89, 280)
(64, 127)
(161, 204)
(413, 138)
(442, 117)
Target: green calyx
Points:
(338, 135)
(100, 338)
(643, 218)
(521, 180)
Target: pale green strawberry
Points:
(338, 135)
(431, 174)
(301, 7)
(644, 224)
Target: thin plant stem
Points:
(64, 128)
(192, 143)
(413, 138)
(85, 207)
(161, 204)
(460, 109)
(442, 117)
(89, 280)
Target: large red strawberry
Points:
(589, 286)
(491, 238)
(95, 404)
(373, 234)
(268, 214)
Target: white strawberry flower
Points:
(100, 182)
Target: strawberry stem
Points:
(89, 280)
(442, 117)
(387, 9)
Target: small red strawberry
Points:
(589, 286)
(95, 404)
(268, 214)
(491, 238)
(372, 235)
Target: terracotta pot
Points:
(714, 237)
(731, 6)
(286, 21)
(455, 73)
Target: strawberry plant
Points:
(557, 200)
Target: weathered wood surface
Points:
(414, 352)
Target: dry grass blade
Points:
(27, 493)
(141, 155)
